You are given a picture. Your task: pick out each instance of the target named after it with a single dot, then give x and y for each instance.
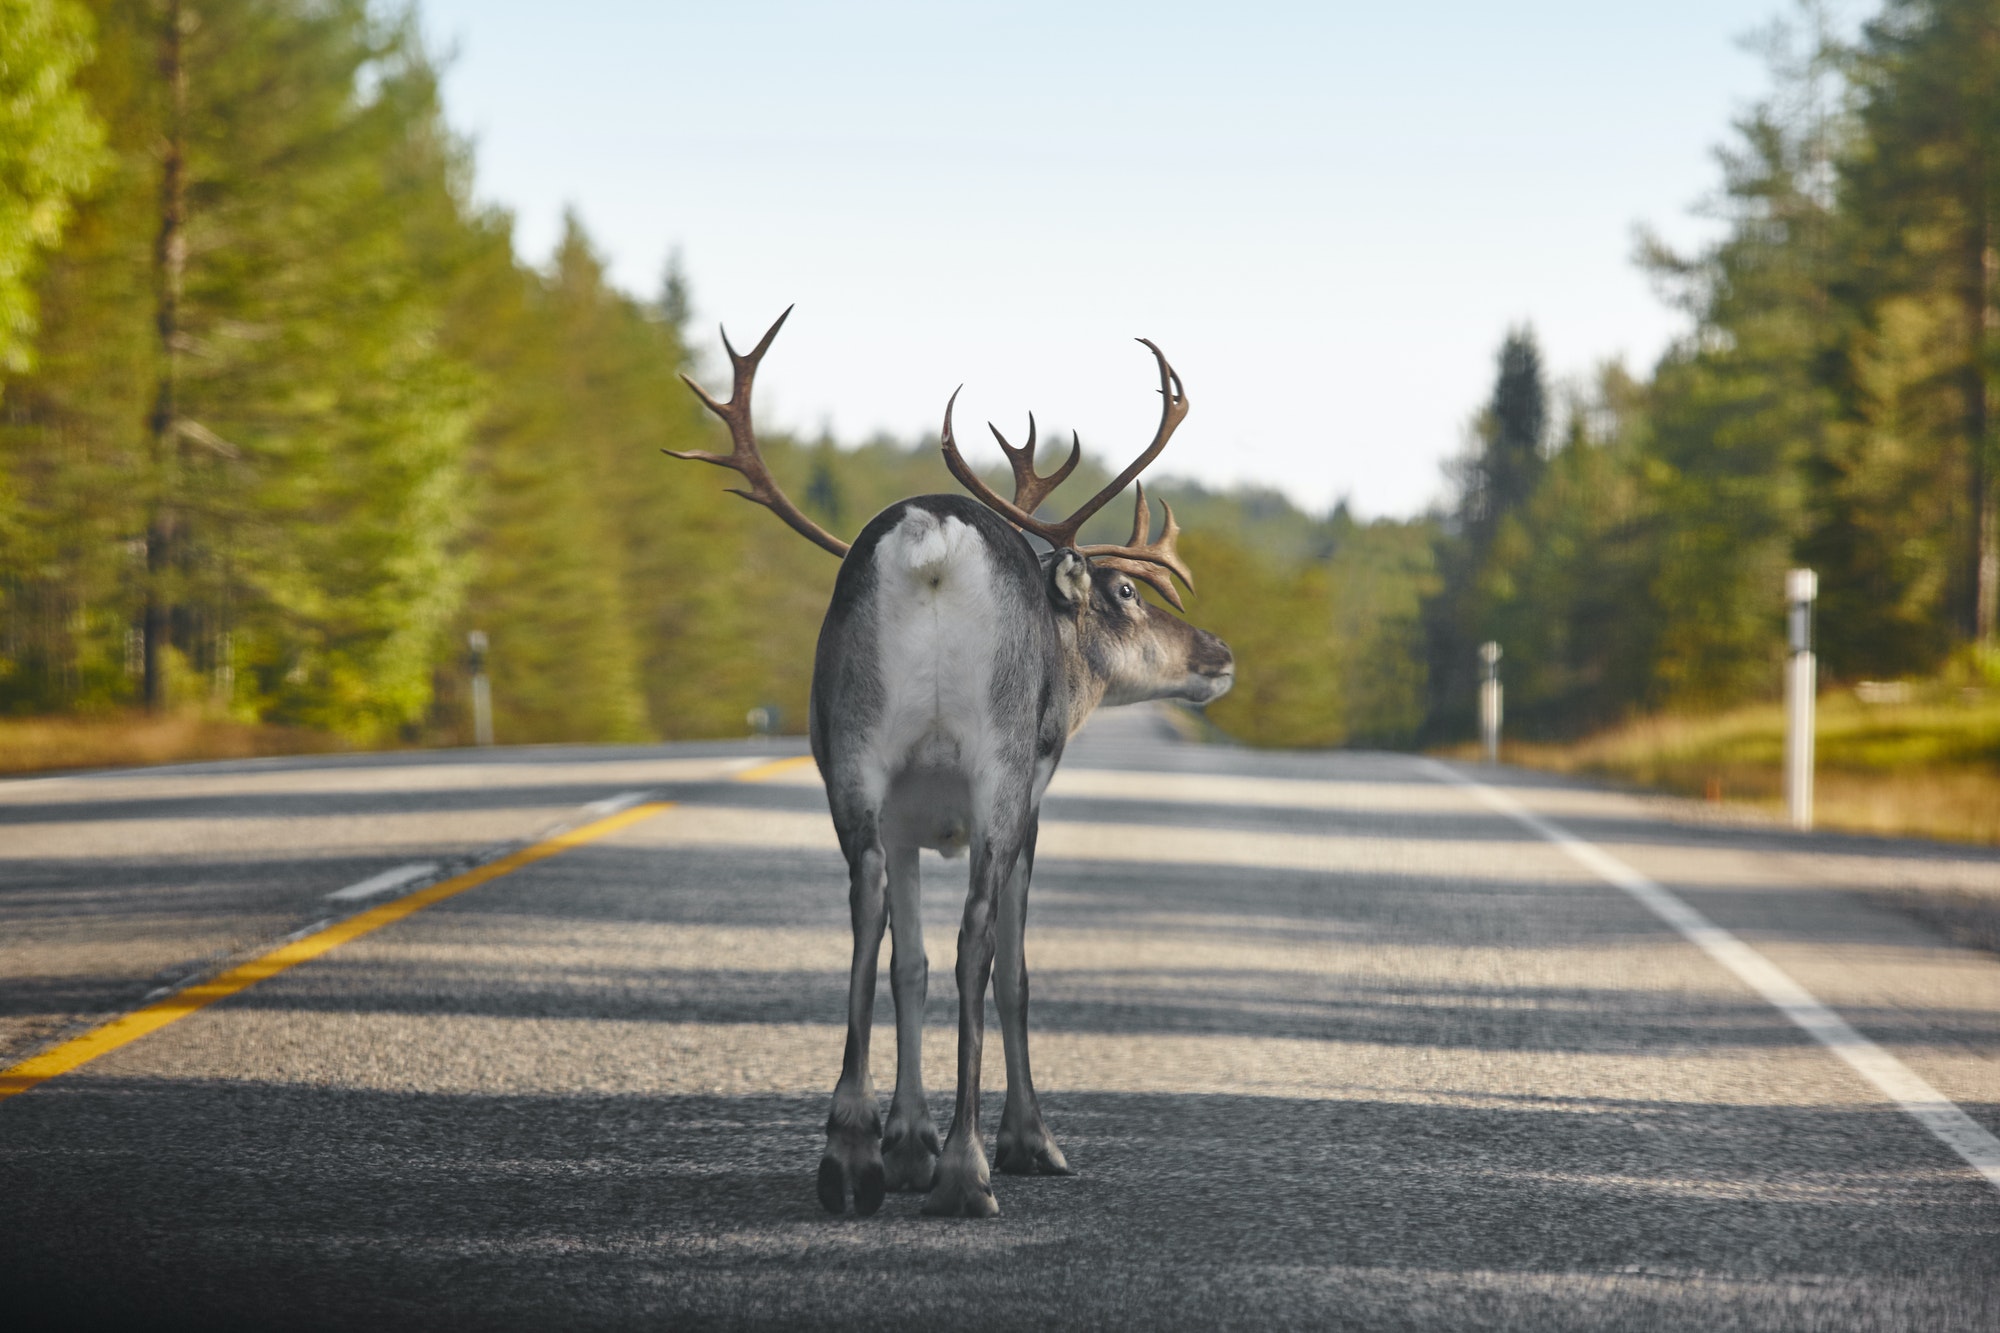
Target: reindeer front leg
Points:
(1026, 1148)
(853, 1159)
(964, 1187)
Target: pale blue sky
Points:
(1327, 215)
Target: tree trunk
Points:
(169, 265)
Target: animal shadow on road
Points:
(221, 1205)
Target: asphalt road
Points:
(1331, 1041)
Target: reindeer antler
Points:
(1148, 560)
(1138, 557)
(744, 458)
(1030, 489)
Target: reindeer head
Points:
(1129, 648)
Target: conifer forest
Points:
(284, 414)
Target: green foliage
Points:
(1827, 409)
(1378, 575)
(1925, 767)
(51, 148)
(1279, 623)
(328, 426)
(1638, 565)
(71, 434)
(626, 595)
(1324, 611)
(1913, 508)
(1566, 587)
(311, 468)
(1484, 536)
(382, 430)
(549, 587)
(1328, 650)
(1497, 480)
(373, 428)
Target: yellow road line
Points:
(774, 769)
(123, 1031)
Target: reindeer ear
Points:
(1069, 579)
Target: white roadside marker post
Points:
(1801, 690)
(1489, 700)
(482, 691)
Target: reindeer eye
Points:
(1125, 591)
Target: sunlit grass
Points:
(1927, 768)
(117, 740)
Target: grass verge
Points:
(1926, 768)
(118, 740)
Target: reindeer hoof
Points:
(950, 1198)
(962, 1188)
(863, 1176)
(1031, 1157)
(832, 1186)
(909, 1167)
(868, 1189)
(1029, 1152)
(867, 1181)
(910, 1156)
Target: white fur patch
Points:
(926, 546)
(940, 633)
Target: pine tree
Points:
(283, 450)
(1739, 411)
(1923, 191)
(1494, 481)
(1500, 477)
(70, 433)
(1578, 620)
(626, 595)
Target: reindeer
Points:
(954, 664)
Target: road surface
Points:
(1334, 1040)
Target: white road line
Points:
(611, 805)
(1896, 1080)
(382, 883)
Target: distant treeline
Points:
(1831, 407)
(285, 416)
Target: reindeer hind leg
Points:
(853, 1159)
(963, 1186)
(1025, 1147)
(910, 1144)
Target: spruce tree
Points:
(1503, 473)
(1494, 481)
(274, 469)
(1923, 191)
